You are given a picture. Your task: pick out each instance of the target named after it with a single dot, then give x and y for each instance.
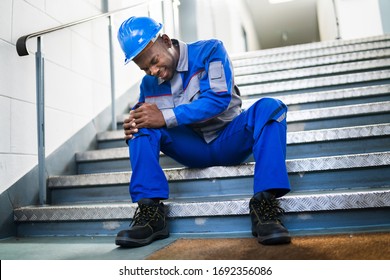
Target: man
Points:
(189, 108)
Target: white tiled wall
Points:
(363, 21)
(5, 126)
(77, 77)
(5, 19)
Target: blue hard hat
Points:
(135, 34)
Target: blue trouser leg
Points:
(260, 130)
(181, 143)
(270, 154)
(147, 179)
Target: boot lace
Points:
(144, 214)
(268, 210)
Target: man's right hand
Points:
(129, 126)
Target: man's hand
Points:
(147, 115)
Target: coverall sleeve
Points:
(216, 85)
(141, 99)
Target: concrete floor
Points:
(83, 248)
(73, 248)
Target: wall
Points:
(226, 20)
(327, 20)
(188, 25)
(77, 88)
(77, 77)
(357, 18)
(384, 6)
(221, 19)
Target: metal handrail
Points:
(21, 48)
(21, 43)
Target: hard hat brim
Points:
(144, 44)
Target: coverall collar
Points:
(182, 65)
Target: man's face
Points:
(158, 59)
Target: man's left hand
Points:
(148, 115)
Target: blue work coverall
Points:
(205, 125)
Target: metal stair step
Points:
(305, 92)
(313, 71)
(317, 99)
(340, 116)
(312, 61)
(321, 143)
(376, 130)
(309, 100)
(207, 207)
(207, 215)
(351, 115)
(306, 174)
(339, 111)
(245, 169)
(308, 84)
(304, 51)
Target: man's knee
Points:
(270, 102)
(271, 108)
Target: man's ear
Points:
(166, 40)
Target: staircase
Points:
(338, 154)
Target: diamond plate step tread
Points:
(333, 134)
(339, 111)
(311, 49)
(111, 135)
(245, 169)
(312, 71)
(312, 61)
(218, 207)
(268, 88)
(104, 154)
(298, 137)
(329, 95)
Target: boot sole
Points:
(132, 243)
(273, 239)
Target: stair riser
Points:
(335, 103)
(316, 84)
(323, 97)
(180, 190)
(338, 122)
(350, 221)
(118, 165)
(118, 143)
(90, 194)
(342, 179)
(306, 222)
(341, 147)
